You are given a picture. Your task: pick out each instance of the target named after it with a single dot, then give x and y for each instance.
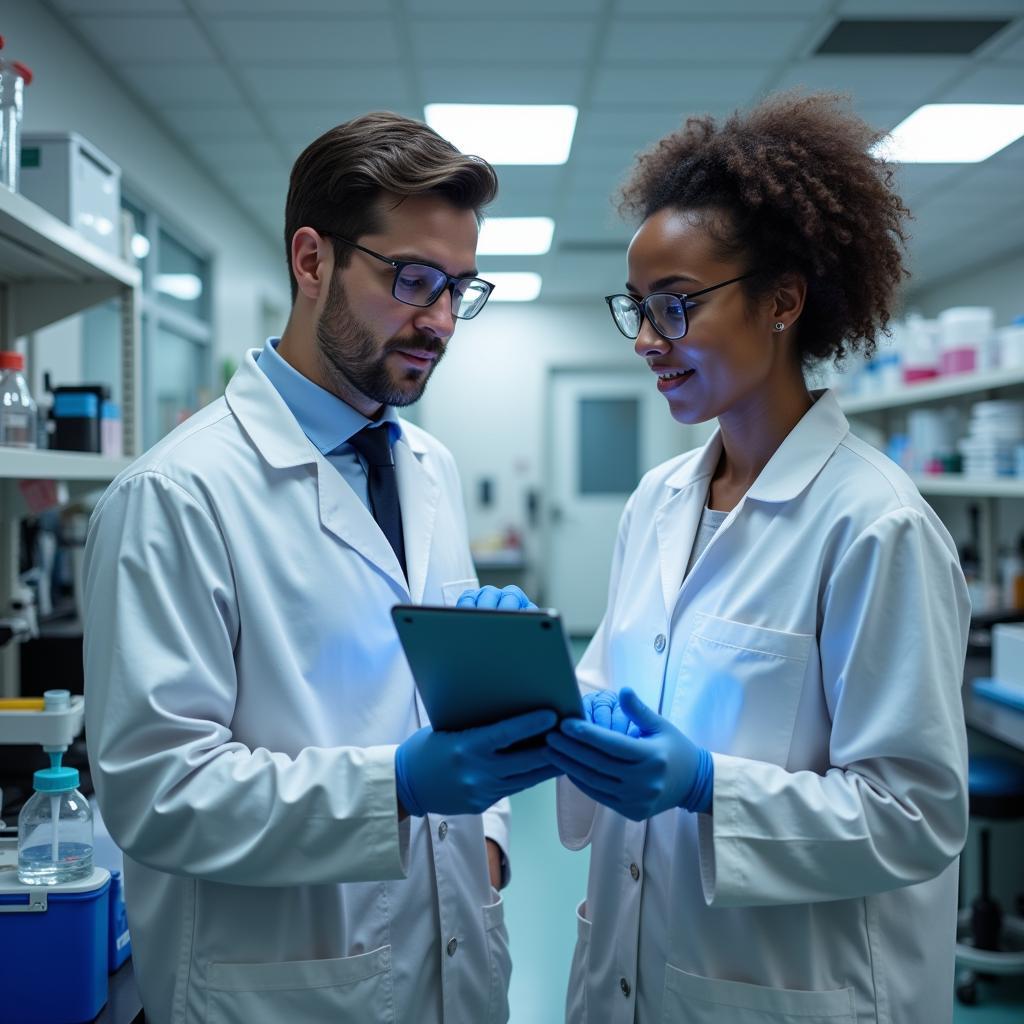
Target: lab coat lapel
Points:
(420, 493)
(343, 514)
(678, 517)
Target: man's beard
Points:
(351, 358)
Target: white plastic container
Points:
(1010, 346)
(71, 178)
(965, 336)
(55, 838)
(919, 344)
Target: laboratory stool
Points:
(988, 941)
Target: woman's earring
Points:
(780, 326)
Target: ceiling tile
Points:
(288, 40)
(482, 13)
(298, 125)
(286, 8)
(445, 84)
(233, 156)
(125, 7)
(995, 84)
(875, 80)
(930, 8)
(520, 42)
(914, 181)
(162, 85)
(716, 8)
(371, 88)
(681, 88)
(132, 39)
(1009, 46)
(217, 121)
(635, 40)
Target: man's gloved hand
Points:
(637, 776)
(508, 599)
(602, 707)
(465, 772)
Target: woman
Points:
(772, 776)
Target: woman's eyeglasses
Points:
(665, 310)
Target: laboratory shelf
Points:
(969, 487)
(53, 269)
(33, 464)
(942, 388)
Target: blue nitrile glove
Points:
(508, 599)
(637, 776)
(602, 707)
(465, 772)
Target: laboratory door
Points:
(605, 429)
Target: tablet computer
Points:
(476, 666)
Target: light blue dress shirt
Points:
(325, 419)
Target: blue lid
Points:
(76, 403)
(111, 411)
(55, 780)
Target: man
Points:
(299, 845)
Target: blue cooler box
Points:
(55, 949)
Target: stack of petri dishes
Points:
(995, 435)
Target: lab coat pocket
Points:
(349, 988)
(451, 592)
(499, 959)
(739, 687)
(691, 999)
(576, 996)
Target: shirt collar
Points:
(324, 418)
(795, 463)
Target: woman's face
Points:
(731, 352)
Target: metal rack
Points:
(49, 272)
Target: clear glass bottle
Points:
(55, 839)
(18, 414)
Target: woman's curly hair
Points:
(803, 194)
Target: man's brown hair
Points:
(338, 179)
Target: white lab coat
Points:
(245, 692)
(817, 649)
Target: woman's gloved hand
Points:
(637, 776)
(508, 599)
(602, 707)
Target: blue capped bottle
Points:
(55, 836)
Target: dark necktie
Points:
(374, 444)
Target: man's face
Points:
(373, 349)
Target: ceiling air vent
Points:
(880, 37)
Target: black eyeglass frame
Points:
(448, 284)
(641, 304)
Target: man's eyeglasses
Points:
(418, 284)
(665, 310)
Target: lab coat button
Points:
(442, 830)
(635, 872)
(453, 944)
(659, 642)
(624, 985)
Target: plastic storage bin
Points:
(55, 950)
(71, 178)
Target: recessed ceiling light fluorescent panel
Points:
(515, 236)
(506, 133)
(513, 286)
(953, 133)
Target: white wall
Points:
(486, 401)
(72, 91)
(999, 284)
